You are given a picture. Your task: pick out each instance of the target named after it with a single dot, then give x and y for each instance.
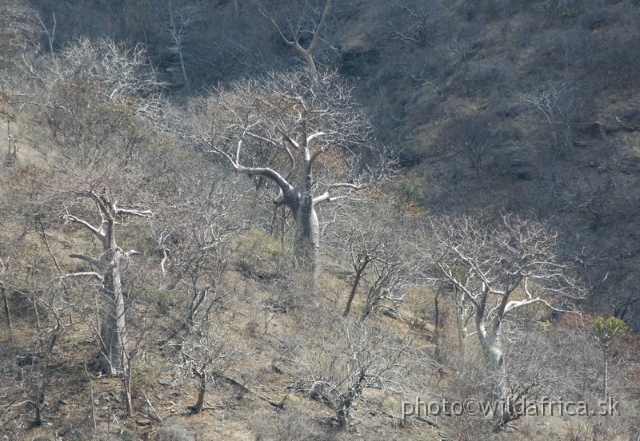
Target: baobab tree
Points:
(307, 137)
(108, 267)
(499, 268)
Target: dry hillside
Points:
(202, 237)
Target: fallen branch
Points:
(158, 417)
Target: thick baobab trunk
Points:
(113, 332)
(492, 347)
(303, 143)
(307, 238)
(307, 234)
(113, 329)
(491, 343)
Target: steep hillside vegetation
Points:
(319, 220)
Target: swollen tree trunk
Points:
(492, 347)
(491, 343)
(307, 237)
(113, 332)
(300, 200)
(303, 144)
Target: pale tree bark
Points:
(500, 267)
(179, 22)
(302, 136)
(51, 36)
(299, 200)
(108, 269)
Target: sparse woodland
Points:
(267, 220)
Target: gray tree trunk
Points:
(113, 329)
(307, 237)
(197, 408)
(113, 332)
(491, 343)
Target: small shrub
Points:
(292, 426)
(251, 328)
(568, 13)
(541, 7)
(413, 188)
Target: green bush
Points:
(541, 7)
(568, 13)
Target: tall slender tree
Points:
(108, 267)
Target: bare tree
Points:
(306, 138)
(88, 99)
(179, 22)
(473, 137)
(557, 104)
(51, 35)
(374, 248)
(338, 367)
(302, 27)
(500, 266)
(108, 267)
(413, 22)
(206, 357)
(201, 217)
